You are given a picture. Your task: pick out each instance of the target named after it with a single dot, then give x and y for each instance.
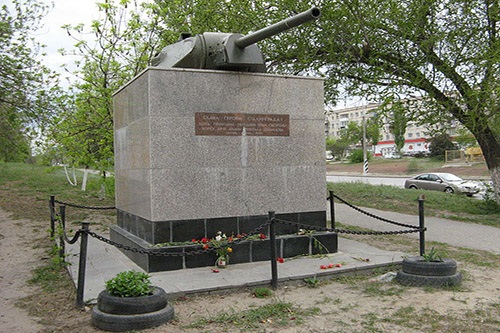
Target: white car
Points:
(392, 155)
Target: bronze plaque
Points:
(235, 124)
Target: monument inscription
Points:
(237, 124)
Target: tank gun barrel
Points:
(276, 28)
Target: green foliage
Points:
(432, 256)
(262, 292)
(127, 37)
(439, 144)
(312, 282)
(357, 156)
(39, 182)
(129, 284)
(50, 275)
(28, 89)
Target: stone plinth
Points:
(199, 151)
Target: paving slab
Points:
(104, 261)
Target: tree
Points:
(125, 42)
(445, 52)
(398, 123)
(439, 144)
(28, 89)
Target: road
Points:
(392, 181)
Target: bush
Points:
(357, 156)
(129, 284)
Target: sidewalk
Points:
(105, 261)
(456, 233)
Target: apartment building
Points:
(415, 137)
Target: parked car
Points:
(329, 155)
(446, 182)
(392, 155)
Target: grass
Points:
(51, 276)
(274, 314)
(391, 198)
(25, 190)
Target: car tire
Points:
(124, 323)
(132, 305)
(413, 187)
(417, 266)
(413, 280)
(449, 190)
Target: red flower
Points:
(262, 236)
(215, 270)
(338, 265)
(205, 246)
(230, 239)
(194, 240)
(323, 267)
(330, 265)
(280, 260)
(205, 240)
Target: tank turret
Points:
(226, 51)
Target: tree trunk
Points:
(491, 152)
(84, 181)
(495, 177)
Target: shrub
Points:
(129, 284)
(357, 156)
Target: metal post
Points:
(52, 206)
(365, 159)
(62, 247)
(274, 264)
(332, 209)
(421, 223)
(82, 265)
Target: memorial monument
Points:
(205, 141)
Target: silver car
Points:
(445, 182)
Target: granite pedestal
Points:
(198, 151)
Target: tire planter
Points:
(132, 305)
(122, 314)
(417, 266)
(419, 273)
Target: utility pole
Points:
(365, 159)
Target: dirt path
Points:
(17, 259)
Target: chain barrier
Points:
(154, 252)
(84, 207)
(162, 253)
(57, 217)
(377, 217)
(343, 231)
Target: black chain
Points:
(343, 231)
(84, 207)
(63, 232)
(377, 217)
(162, 253)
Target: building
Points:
(416, 136)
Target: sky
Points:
(85, 11)
(54, 37)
